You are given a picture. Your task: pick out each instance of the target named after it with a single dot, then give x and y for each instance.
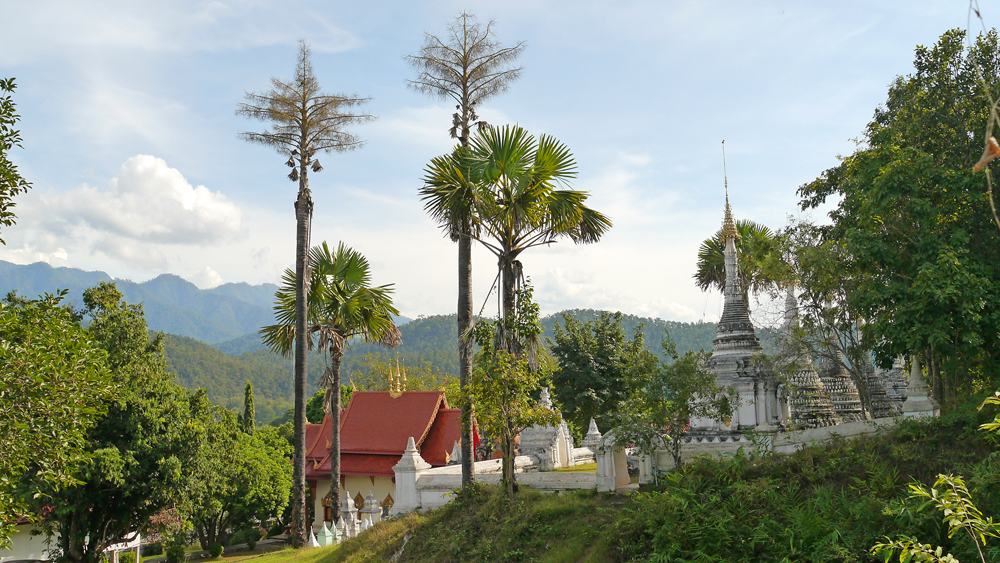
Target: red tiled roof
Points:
(378, 423)
(441, 439)
(375, 428)
(355, 464)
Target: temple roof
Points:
(375, 428)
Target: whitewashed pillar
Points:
(918, 402)
(407, 471)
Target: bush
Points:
(175, 554)
(251, 544)
(155, 548)
(246, 536)
(127, 557)
(215, 550)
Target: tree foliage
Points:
(54, 385)
(469, 65)
(11, 182)
(754, 247)
(139, 452)
(664, 398)
(304, 120)
(512, 182)
(913, 221)
(593, 359)
(239, 478)
(503, 383)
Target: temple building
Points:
(735, 354)
(373, 436)
(841, 389)
(808, 404)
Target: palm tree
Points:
(467, 65)
(509, 184)
(305, 120)
(753, 246)
(342, 305)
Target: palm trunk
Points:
(303, 212)
(465, 312)
(508, 281)
(335, 357)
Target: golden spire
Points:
(728, 224)
(397, 381)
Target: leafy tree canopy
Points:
(593, 358)
(142, 449)
(914, 223)
(11, 182)
(54, 385)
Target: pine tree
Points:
(248, 410)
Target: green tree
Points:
(239, 478)
(11, 182)
(593, 359)
(914, 222)
(139, 452)
(468, 66)
(503, 383)
(343, 305)
(513, 181)
(305, 120)
(54, 385)
(249, 414)
(664, 398)
(754, 246)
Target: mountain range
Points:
(212, 340)
(171, 303)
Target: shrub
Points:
(215, 550)
(127, 557)
(155, 548)
(175, 553)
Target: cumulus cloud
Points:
(150, 202)
(206, 278)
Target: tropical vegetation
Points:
(343, 305)
(305, 120)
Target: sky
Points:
(131, 139)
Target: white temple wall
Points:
(25, 545)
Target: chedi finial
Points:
(728, 224)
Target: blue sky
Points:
(130, 137)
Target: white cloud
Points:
(559, 289)
(132, 252)
(150, 202)
(206, 278)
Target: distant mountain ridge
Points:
(171, 303)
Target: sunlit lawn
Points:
(585, 468)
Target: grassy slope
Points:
(820, 504)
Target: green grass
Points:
(583, 468)
(822, 504)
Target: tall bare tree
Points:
(468, 65)
(304, 120)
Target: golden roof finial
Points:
(728, 224)
(396, 387)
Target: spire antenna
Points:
(725, 175)
(728, 224)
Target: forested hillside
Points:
(171, 303)
(223, 369)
